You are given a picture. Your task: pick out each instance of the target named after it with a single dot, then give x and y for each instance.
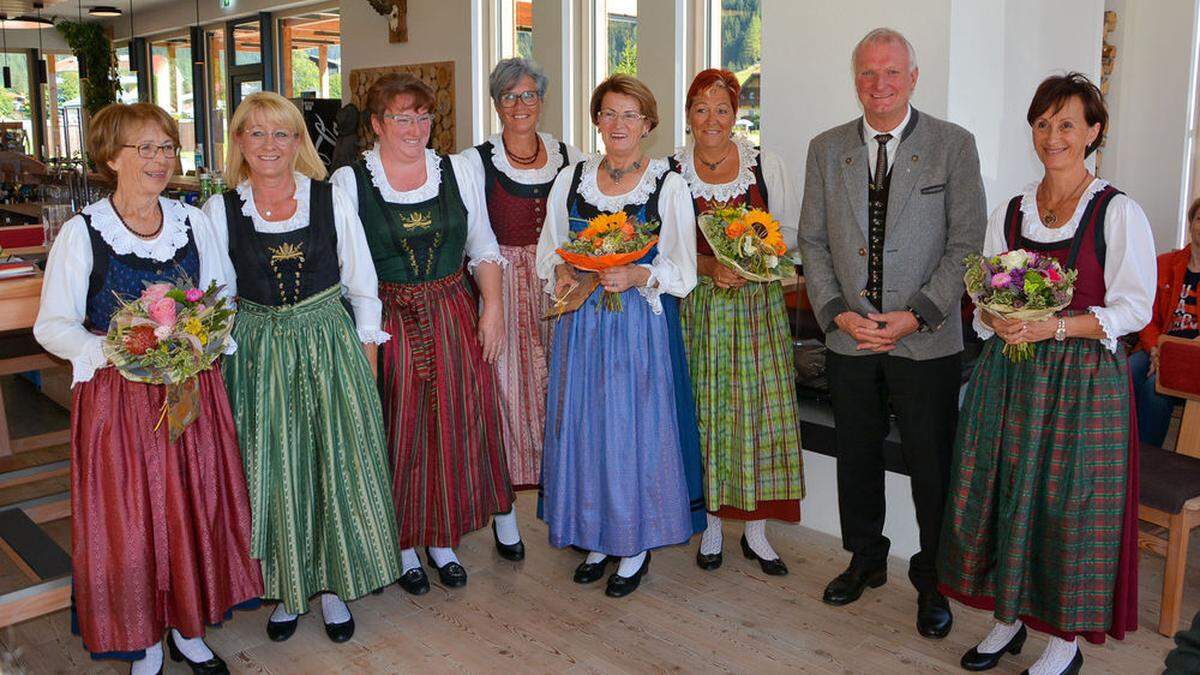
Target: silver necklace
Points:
(617, 174)
(712, 166)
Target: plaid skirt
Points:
(740, 358)
(1037, 512)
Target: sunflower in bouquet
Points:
(1019, 284)
(748, 241)
(168, 335)
(609, 240)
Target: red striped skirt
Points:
(442, 411)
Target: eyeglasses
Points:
(258, 136)
(528, 97)
(405, 121)
(150, 150)
(607, 116)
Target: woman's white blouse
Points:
(673, 269)
(783, 201)
(1130, 275)
(481, 243)
(538, 176)
(359, 283)
(59, 325)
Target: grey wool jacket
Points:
(936, 216)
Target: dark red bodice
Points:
(516, 210)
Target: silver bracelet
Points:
(1060, 333)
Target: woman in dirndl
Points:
(739, 344)
(621, 469)
(425, 216)
(516, 169)
(300, 383)
(1041, 520)
(160, 529)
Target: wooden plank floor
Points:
(530, 617)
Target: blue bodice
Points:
(580, 211)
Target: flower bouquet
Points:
(169, 335)
(747, 241)
(609, 240)
(1019, 284)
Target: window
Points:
(740, 26)
(218, 101)
(16, 105)
(311, 45)
(126, 76)
(621, 31)
(523, 28)
(247, 43)
(63, 107)
(171, 84)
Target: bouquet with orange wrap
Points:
(609, 240)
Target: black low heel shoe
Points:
(976, 660)
(452, 574)
(775, 567)
(1072, 668)
(279, 631)
(213, 666)
(588, 573)
(508, 551)
(340, 632)
(619, 586)
(709, 562)
(414, 581)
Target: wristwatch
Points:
(1060, 333)
(922, 325)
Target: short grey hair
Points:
(509, 72)
(884, 35)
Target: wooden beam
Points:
(34, 601)
(34, 474)
(323, 71)
(45, 509)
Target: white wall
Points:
(23, 39)
(1148, 103)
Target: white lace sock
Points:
(506, 527)
(629, 566)
(149, 664)
(756, 536)
(1056, 658)
(409, 559)
(281, 615)
(710, 541)
(442, 556)
(193, 648)
(333, 609)
(999, 637)
(594, 557)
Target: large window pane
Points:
(741, 52)
(171, 81)
(621, 27)
(247, 43)
(523, 28)
(218, 100)
(63, 107)
(127, 77)
(312, 48)
(16, 104)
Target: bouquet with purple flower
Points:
(1019, 284)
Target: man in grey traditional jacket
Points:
(893, 202)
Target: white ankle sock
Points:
(281, 615)
(594, 557)
(442, 556)
(999, 637)
(629, 566)
(193, 648)
(149, 664)
(756, 536)
(333, 610)
(710, 541)
(1056, 658)
(506, 527)
(409, 559)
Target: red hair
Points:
(714, 77)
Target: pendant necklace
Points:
(1049, 217)
(712, 166)
(617, 174)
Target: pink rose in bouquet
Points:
(162, 312)
(193, 294)
(154, 293)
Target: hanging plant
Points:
(90, 44)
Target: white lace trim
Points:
(85, 365)
(589, 189)
(298, 220)
(433, 178)
(373, 336)
(747, 156)
(495, 258)
(123, 242)
(1101, 314)
(1033, 226)
(543, 174)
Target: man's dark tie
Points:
(881, 160)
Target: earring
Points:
(645, 134)
(687, 130)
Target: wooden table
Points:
(19, 301)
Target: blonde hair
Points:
(272, 108)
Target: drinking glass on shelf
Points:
(53, 218)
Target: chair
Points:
(1169, 492)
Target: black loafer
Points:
(933, 615)
(708, 562)
(775, 567)
(849, 585)
(340, 632)
(619, 586)
(414, 581)
(452, 574)
(976, 660)
(213, 666)
(508, 551)
(1072, 668)
(279, 631)
(588, 572)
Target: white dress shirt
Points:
(893, 146)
